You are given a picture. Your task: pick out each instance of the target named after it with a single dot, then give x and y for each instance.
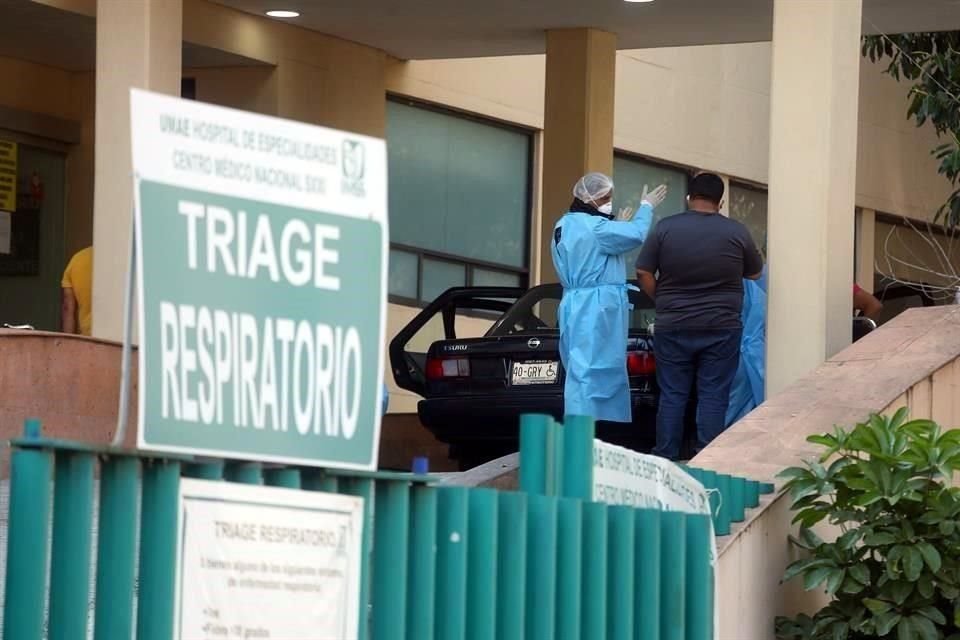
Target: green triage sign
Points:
(261, 247)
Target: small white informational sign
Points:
(625, 477)
(262, 562)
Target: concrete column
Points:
(813, 162)
(138, 45)
(577, 123)
(866, 230)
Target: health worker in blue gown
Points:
(589, 243)
(747, 390)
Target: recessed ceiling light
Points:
(638, 0)
(283, 14)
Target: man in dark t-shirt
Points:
(693, 265)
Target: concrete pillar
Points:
(138, 45)
(577, 123)
(813, 162)
(865, 265)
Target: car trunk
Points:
(517, 364)
(491, 363)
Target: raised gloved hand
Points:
(655, 197)
(626, 214)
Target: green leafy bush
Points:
(894, 570)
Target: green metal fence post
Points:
(570, 551)
(620, 572)
(319, 480)
(673, 567)
(541, 568)
(70, 557)
(244, 472)
(752, 499)
(206, 470)
(722, 518)
(648, 558)
(595, 545)
(28, 522)
(390, 539)
(422, 579)
(452, 544)
(554, 458)
(158, 550)
(511, 561)
(116, 548)
(286, 477)
(481, 567)
(738, 489)
(364, 488)
(577, 462)
(699, 588)
(709, 481)
(534, 430)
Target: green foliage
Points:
(932, 62)
(894, 570)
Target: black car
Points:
(475, 389)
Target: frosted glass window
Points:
(458, 186)
(438, 276)
(630, 175)
(749, 206)
(489, 278)
(402, 280)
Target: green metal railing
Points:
(735, 496)
(439, 562)
(556, 459)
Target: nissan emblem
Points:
(533, 343)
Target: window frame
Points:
(470, 264)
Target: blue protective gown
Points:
(588, 255)
(747, 391)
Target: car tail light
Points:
(439, 368)
(641, 363)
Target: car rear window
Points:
(536, 312)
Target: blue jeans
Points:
(684, 356)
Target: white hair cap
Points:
(592, 187)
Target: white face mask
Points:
(606, 209)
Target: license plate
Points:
(540, 372)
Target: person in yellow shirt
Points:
(76, 294)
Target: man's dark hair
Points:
(708, 186)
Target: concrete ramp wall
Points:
(911, 361)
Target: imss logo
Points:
(353, 167)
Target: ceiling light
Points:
(285, 14)
(638, 0)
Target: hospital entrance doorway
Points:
(32, 244)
